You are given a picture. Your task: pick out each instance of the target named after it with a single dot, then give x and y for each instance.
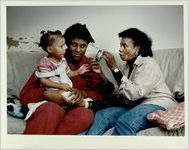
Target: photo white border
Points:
(87, 142)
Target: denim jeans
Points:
(127, 121)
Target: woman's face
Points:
(127, 49)
(77, 48)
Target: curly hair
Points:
(140, 39)
(77, 31)
(48, 38)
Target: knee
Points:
(101, 118)
(119, 122)
(84, 115)
(76, 121)
(100, 124)
(51, 109)
(124, 127)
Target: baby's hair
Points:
(48, 37)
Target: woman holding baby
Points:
(58, 115)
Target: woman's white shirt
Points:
(146, 81)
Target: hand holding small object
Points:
(84, 68)
(110, 60)
(95, 67)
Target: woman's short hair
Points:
(77, 31)
(140, 39)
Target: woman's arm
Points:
(111, 63)
(95, 67)
(79, 93)
(107, 87)
(117, 75)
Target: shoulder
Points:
(46, 64)
(151, 61)
(44, 60)
(147, 60)
(147, 63)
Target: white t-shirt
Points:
(56, 72)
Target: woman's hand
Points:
(76, 96)
(110, 60)
(95, 67)
(65, 86)
(84, 68)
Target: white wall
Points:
(164, 24)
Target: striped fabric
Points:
(171, 119)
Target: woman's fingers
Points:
(75, 96)
(110, 60)
(84, 68)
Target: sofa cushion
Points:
(20, 65)
(171, 63)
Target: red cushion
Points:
(171, 119)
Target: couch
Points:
(20, 65)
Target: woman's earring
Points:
(136, 53)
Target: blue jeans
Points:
(127, 121)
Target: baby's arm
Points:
(51, 84)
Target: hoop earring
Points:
(136, 53)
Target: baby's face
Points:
(58, 48)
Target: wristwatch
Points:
(116, 70)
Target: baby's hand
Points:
(84, 68)
(65, 86)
